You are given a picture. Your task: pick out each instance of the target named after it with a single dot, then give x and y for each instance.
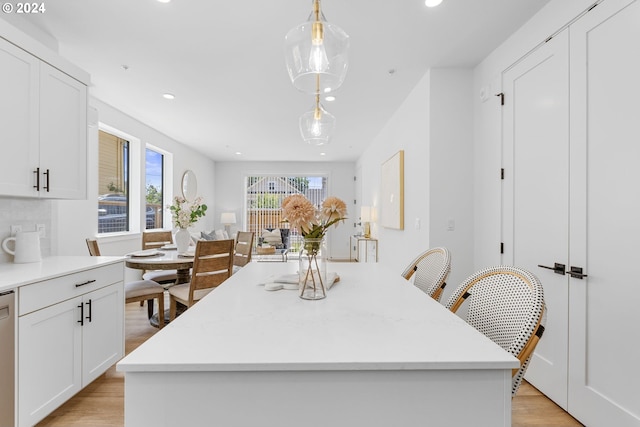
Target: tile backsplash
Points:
(26, 213)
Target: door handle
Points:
(557, 268)
(89, 316)
(81, 321)
(576, 273)
(46, 187)
(37, 172)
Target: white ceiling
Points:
(224, 62)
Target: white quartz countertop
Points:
(15, 275)
(371, 319)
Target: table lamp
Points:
(228, 218)
(365, 217)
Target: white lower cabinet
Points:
(50, 349)
(102, 333)
(65, 343)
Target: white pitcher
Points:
(27, 247)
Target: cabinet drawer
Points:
(48, 292)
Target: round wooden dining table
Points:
(162, 260)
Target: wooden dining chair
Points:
(92, 245)
(212, 265)
(507, 305)
(156, 240)
(243, 249)
(138, 290)
(431, 269)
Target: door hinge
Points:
(501, 95)
(502, 173)
(501, 247)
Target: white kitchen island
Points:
(376, 352)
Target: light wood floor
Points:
(102, 402)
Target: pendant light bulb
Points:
(317, 125)
(316, 129)
(315, 48)
(318, 61)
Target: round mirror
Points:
(189, 185)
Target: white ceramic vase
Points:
(183, 238)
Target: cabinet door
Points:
(103, 331)
(63, 135)
(535, 195)
(605, 148)
(367, 250)
(18, 120)
(353, 250)
(49, 359)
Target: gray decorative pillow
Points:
(208, 236)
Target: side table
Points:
(363, 249)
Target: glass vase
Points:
(183, 238)
(312, 270)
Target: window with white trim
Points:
(113, 183)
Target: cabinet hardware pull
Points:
(47, 186)
(37, 172)
(557, 268)
(81, 321)
(85, 283)
(576, 273)
(89, 316)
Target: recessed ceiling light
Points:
(238, 153)
(432, 3)
(164, 1)
(322, 154)
(330, 98)
(168, 96)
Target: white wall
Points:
(76, 220)
(488, 125)
(434, 128)
(450, 169)
(407, 130)
(25, 213)
(229, 179)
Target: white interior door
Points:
(604, 349)
(535, 188)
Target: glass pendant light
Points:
(317, 125)
(314, 48)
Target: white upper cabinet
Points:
(43, 132)
(19, 138)
(63, 135)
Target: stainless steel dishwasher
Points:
(7, 358)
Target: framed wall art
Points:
(392, 192)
